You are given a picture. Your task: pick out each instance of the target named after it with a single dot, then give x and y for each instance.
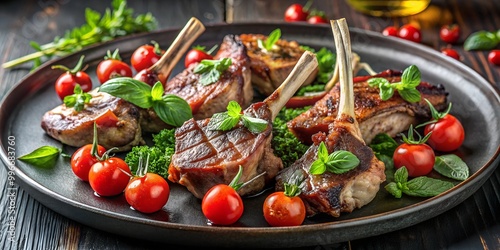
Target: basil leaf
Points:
(255, 125)
(481, 40)
(234, 109)
(211, 70)
(157, 91)
(317, 167)
(375, 82)
(173, 110)
(78, 99)
(393, 189)
(43, 157)
(452, 167)
(410, 95)
(273, 37)
(386, 91)
(341, 161)
(411, 77)
(322, 152)
(426, 187)
(401, 175)
(384, 144)
(222, 121)
(129, 89)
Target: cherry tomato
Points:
(417, 158)
(451, 53)
(296, 13)
(82, 160)
(281, 210)
(317, 19)
(148, 193)
(66, 82)
(222, 205)
(447, 134)
(196, 55)
(410, 33)
(494, 57)
(112, 66)
(109, 177)
(145, 56)
(450, 33)
(390, 31)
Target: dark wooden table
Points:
(473, 224)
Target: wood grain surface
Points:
(473, 224)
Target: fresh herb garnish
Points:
(119, 21)
(43, 157)
(171, 109)
(284, 143)
(452, 167)
(269, 43)
(211, 70)
(421, 186)
(383, 144)
(406, 88)
(227, 120)
(338, 162)
(78, 99)
(482, 40)
(326, 65)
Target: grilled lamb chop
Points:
(337, 193)
(120, 128)
(205, 157)
(374, 115)
(234, 83)
(270, 68)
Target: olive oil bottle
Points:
(389, 7)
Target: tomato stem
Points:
(95, 144)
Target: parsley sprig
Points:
(211, 70)
(119, 21)
(406, 88)
(338, 162)
(228, 120)
(78, 99)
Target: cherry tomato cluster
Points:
(111, 176)
(408, 32)
(444, 133)
(298, 13)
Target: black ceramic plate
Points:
(475, 102)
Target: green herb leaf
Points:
(273, 37)
(426, 187)
(173, 110)
(338, 162)
(452, 166)
(384, 144)
(393, 189)
(43, 157)
(406, 88)
(129, 89)
(222, 121)
(157, 91)
(255, 125)
(481, 40)
(211, 70)
(234, 109)
(78, 99)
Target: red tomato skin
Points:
(196, 56)
(82, 160)
(111, 68)
(281, 210)
(447, 134)
(295, 13)
(417, 158)
(451, 53)
(494, 57)
(144, 57)
(65, 84)
(410, 33)
(106, 178)
(151, 77)
(390, 31)
(317, 20)
(449, 33)
(222, 205)
(147, 194)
